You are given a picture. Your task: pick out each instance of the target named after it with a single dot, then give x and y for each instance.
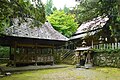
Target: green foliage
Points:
(20, 8)
(107, 51)
(4, 52)
(64, 23)
(111, 8)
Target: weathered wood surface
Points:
(31, 58)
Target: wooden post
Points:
(116, 43)
(27, 55)
(53, 54)
(36, 54)
(15, 54)
(10, 57)
(10, 53)
(92, 44)
(111, 45)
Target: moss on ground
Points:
(69, 73)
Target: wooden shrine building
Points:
(91, 31)
(31, 45)
(97, 34)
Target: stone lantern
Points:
(83, 56)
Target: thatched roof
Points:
(90, 27)
(23, 29)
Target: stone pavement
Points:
(31, 67)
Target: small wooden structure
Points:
(31, 45)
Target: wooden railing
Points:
(67, 54)
(62, 55)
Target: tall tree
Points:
(85, 11)
(62, 22)
(66, 9)
(49, 7)
(20, 8)
(111, 8)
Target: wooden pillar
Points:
(10, 57)
(53, 54)
(10, 53)
(15, 46)
(36, 54)
(27, 55)
(92, 44)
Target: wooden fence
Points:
(107, 46)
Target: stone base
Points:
(88, 65)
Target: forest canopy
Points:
(21, 8)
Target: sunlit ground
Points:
(69, 73)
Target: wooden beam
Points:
(31, 45)
(36, 54)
